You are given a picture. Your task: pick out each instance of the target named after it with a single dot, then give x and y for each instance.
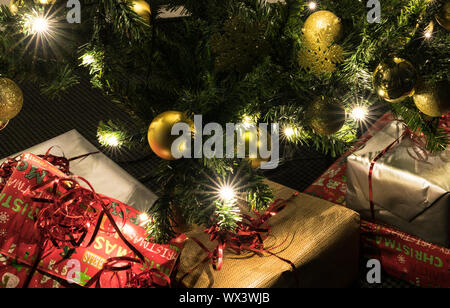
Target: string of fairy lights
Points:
(37, 24)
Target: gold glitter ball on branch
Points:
(443, 17)
(256, 137)
(323, 23)
(142, 8)
(11, 100)
(433, 99)
(160, 136)
(326, 116)
(320, 58)
(395, 79)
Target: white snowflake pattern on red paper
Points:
(3, 232)
(4, 217)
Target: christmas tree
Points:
(315, 68)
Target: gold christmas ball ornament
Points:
(323, 23)
(443, 17)
(433, 99)
(11, 99)
(256, 159)
(395, 79)
(320, 59)
(160, 135)
(325, 116)
(142, 8)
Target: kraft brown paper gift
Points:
(319, 237)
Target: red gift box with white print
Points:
(112, 259)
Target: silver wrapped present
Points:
(410, 186)
(103, 174)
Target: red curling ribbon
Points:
(418, 141)
(6, 170)
(61, 162)
(148, 279)
(248, 236)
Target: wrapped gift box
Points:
(410, 191)
(402, 255)
(319, 237)
(105, 176)
(21, 240)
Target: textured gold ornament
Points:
(395, 79)
(325, 116)
(323, 23)
(433, 99)
(142, 8)
(11, 99)
(320, 58)
(160, 132)
(256, 160)
(443, 17)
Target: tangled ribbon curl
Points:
(69, 213)
(249, 235)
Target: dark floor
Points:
(82, 108)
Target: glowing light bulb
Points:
(109, 140)
(428, 33)
(39, 25)
(289, 132)
(88, 59)
(227, 193)
(359, 113)
(312, 5)
(247, 121)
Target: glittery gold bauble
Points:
(433, 99)
(142, 8)
(326, 24)
(255, 158)
(160, 132)
(320, 58)
(325, 116)
(395, 79)
(443, 17)
(11, 99)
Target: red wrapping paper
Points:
(20, 238)
(402, 255)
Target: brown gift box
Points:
(319, 237)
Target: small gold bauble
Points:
(326, 117)
(443, 17)
(142, 8)
(394, 80)
(11, 99)
(256, 160)
(320, 59)
(433, 99)
(323, 23)
(160, 135)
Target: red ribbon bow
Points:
(148, 279)
(248, 236)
